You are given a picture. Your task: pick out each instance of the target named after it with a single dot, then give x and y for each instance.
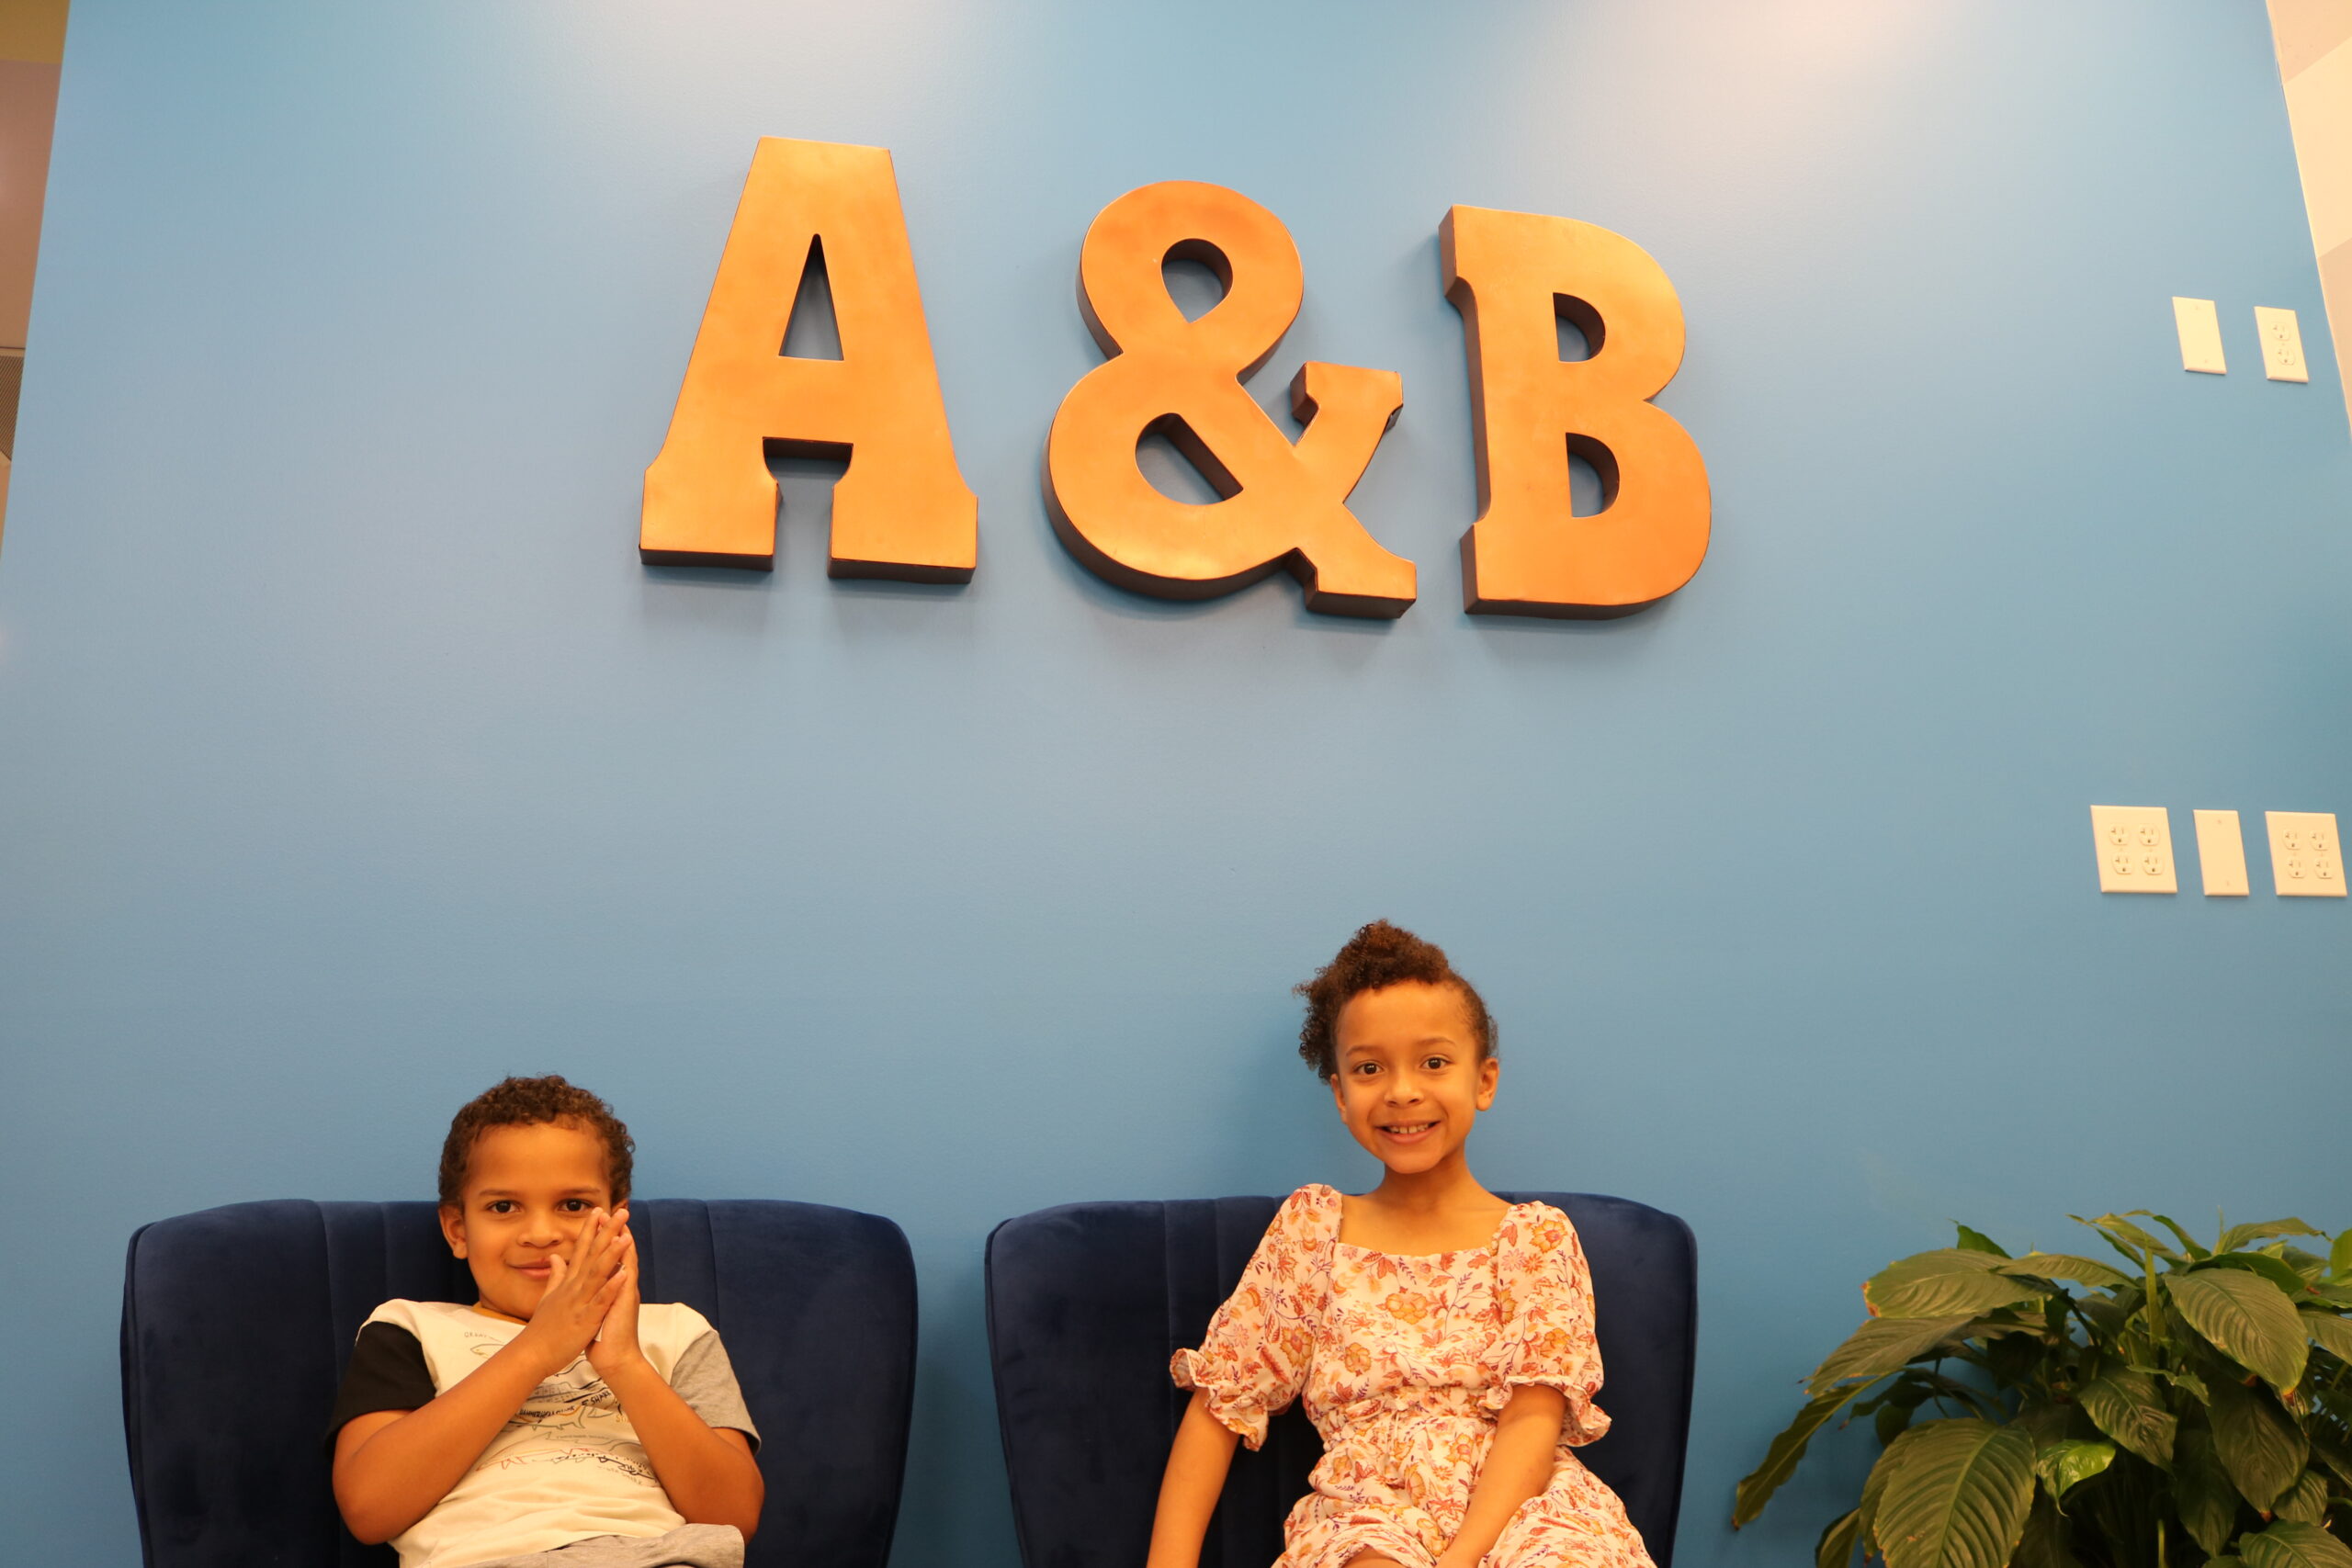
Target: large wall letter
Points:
(901, 509)
(1284, 505)
(1512, 275)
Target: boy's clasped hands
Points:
(591, 1301)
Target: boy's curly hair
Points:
(527, 1102)
(1379, 954)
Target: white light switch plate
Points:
(2221, 854)
(2134, 849)
(2201, 335)
(2306, 858)
(2282, 344)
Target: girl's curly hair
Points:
(1379, 954)
(527, 1102)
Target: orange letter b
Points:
(1512, 275)
(902, 509)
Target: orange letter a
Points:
(902, 509)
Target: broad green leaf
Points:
(2260, 1448)
(2188, 1382)
(1997, 1326)
(1837, 1547)
(1936, 1261)
(2336, 1459)
(2128, 1238)
(2310, 1267)
(2188, 1242)
(2246, 1318)
(2278, 1271)
(2202, 1489)
(1936, 1385)
(1873, 1488)
(2238, 1236)
(2044, 1543)
(1958, 1497)
(1945, 1282)
(1977, 1241)
(1780, 1459)
(2339, 1256)
(2291, 1544)
(2306, 1499)
(2109, 1314)
(2125, 1404)
(1882, 1346)
(2065, 1464)
(2046, 1423)
(2334, 1332)
(2065, 1266)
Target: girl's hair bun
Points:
(1377, 955)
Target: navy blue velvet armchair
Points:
(236, 1324)
(1087, 1302)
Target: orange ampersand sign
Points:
(1285, 504)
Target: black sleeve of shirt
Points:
(387, 1373)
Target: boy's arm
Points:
(392, 1466)
(708, 1470)
(1197, 1463)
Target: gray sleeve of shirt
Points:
(705, 1379)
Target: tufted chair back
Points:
(237, 1321)
(1088, 1301)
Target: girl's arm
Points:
(1519, 1466)
(1197, 1462)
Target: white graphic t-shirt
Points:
(568, 1465)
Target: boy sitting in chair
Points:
(556, 1422)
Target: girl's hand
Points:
(616, 1346)
(580, 1294)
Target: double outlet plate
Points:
(2135, 853)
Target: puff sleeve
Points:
(1253, 1361)
(1543, 1301)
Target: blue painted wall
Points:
(349, 760)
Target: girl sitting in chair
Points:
(1442, 1338)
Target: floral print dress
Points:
(1405, 1363)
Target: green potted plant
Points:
(2189, 1406)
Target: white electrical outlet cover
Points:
(2282, 344)
(2134, 849)
(2221, 854)
(2306, 857)
(2199, 326)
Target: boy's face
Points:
(529, 1191)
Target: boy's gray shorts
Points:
(688, 1546)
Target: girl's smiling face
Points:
(529, 1191)
(1411, 1082)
